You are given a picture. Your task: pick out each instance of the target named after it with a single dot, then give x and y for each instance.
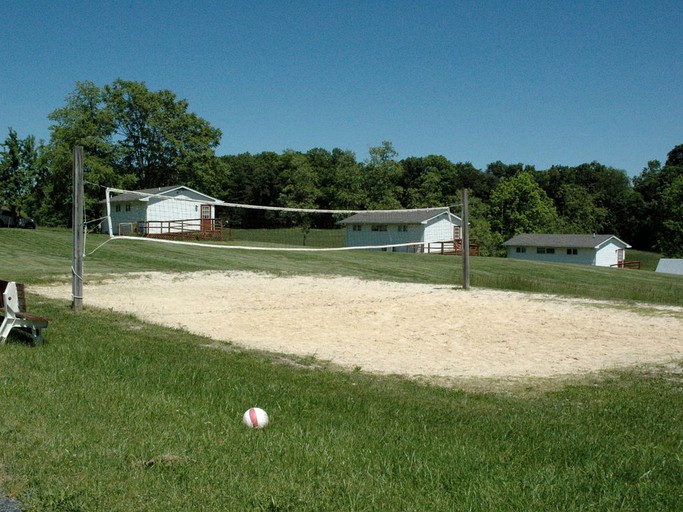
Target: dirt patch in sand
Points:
(416, 330)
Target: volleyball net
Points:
(182, 215)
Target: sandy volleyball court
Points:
(398, 328)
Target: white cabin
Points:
(398, 228)
(597, 250)
(163, 210)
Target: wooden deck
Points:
(183, 229)
(452, 248)
(627, 264)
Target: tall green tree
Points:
(652, 184)
(342, 186)
(612, 191)
(592, 198)
(670, 242)
(471, 178)
(132, 138)
(427, 181)
(519, 205)
(382, 176)
(661, 189)
(298, 182)
(84, 121)
(157, 138)
(675, 157)
(18, 171)
(489, 241)
(578, 210)
(299, 189)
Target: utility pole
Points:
(77, 231)
(465, 242)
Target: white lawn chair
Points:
(13, 303)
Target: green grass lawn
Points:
(648, 260)
(44, 255)
(292, 237)
(114, 414)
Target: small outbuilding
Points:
(405, 230)
(164, 212)
(598, 250)
(670, 266)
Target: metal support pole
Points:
(77, 231)
(465, 242)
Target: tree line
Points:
(134, 138)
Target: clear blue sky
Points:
(542, 82)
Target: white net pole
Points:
(108, 215)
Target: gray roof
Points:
(137, 195)
(670, 266)
(578, 241)
(421, 216)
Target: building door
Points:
(620, 255)
(206, 217)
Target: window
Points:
(379, 227)
(550, 250)
(357, 227)
(403, 229)
(521, 249)
(540, 250)
(572, 252)
(127, 207)
(118, 207)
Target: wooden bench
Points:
(13, 304)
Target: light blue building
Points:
(670, 266)
(598, 250)
(403, 230)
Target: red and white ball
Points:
(255, 418)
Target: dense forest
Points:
(135, 138)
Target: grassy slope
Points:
(46, 254)
(113, 414)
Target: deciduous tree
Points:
(653, 185)
(382, 176)
(157, 138)
(670, 242)
(18, 171)
(132, 138)
(519, 205)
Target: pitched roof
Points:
(139, 195)
(421, 216)
(569, 241)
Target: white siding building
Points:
(161, 210)
(598, 250)
(429, 225)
